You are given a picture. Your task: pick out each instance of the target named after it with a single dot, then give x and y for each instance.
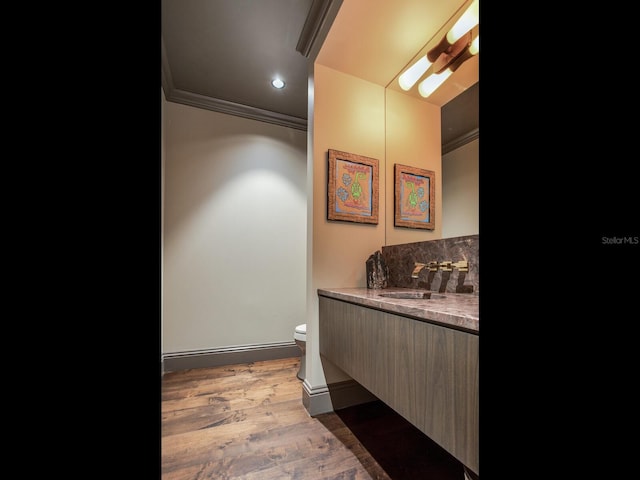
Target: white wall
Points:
(460, 190)
(234, 243)
(162, 156)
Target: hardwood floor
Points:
(247, 422)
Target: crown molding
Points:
(231, 108)
(313, 25)
(460, 141)
(223, 106)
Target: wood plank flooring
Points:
(247, 422)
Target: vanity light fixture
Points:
(277, 83)
(433, 81)
(469, 19)
(445, 53)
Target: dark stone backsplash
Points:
(400, 260)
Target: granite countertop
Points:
(458, 310)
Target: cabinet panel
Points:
(425, 372)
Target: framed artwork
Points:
(414, 197)
(352, 188)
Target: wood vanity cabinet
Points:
(427, 373)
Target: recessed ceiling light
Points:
(276, 82)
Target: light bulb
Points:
(432, 82)
(466, 22)
(475, 45)
(413, 74)
(276, 82)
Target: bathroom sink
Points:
(411, 295)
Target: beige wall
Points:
(413, 138)
(234, 230)
(348, 115)
(353, 115)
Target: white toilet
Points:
(300, 336)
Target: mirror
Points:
(411, 140)
(460, 164)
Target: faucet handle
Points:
(462, 265)
(446, 266)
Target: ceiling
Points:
(221, 55)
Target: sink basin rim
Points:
(426, 295)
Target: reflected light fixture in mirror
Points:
(433, 81)
(453, 46)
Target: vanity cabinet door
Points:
(426, 372)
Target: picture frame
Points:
(415, 196)
(352, 193)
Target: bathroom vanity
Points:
(417, 353)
